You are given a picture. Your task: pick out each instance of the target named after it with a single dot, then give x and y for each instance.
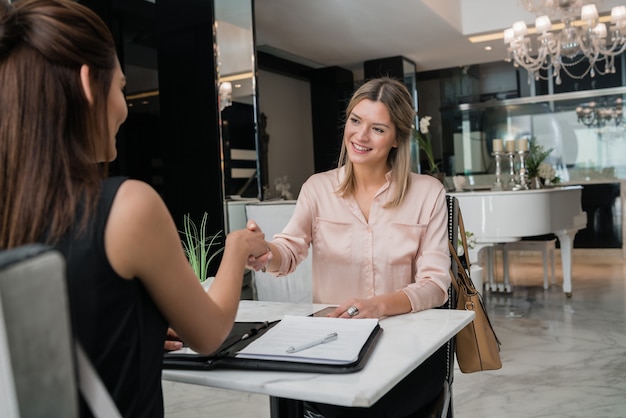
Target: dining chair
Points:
(441, 406)
(37, 372)
(294, 287)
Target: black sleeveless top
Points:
(119, 326)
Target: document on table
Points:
(309, 332)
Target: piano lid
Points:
(504, 216)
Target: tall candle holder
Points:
(523, 171)
(511, 155)
(497, 185)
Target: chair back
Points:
(37, 371)
(453, 236)
(294, 287)
(441, 406)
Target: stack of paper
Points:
(309, 332)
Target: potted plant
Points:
(200, 247)
(540, 173)
(424, 143)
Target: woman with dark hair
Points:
(378, 235)
(61, 106)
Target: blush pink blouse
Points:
(400, 249)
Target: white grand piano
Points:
(506, 216)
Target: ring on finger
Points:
(352, 311)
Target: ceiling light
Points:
(591, 115)
(236, 77)
(152, 93)
(575, 42)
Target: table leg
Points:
(285, 408)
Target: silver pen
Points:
(330, 337)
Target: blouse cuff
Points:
(427, 296)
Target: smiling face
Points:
(369, 134)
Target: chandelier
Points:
(565, 45)
(591, 115)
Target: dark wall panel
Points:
(189, 114)
(331, 89)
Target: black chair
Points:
(36, 348)
(441, 407)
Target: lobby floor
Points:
(561, 357)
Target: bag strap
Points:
(463, 266)
(95, 393)
(466, 258)
(462, 274)
(464, 280)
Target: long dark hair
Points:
(49, 132)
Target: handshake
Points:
(262, 260)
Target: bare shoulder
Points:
(139, 226)
(136, 194)
(137, 206)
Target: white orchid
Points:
(424, 124)
(422, 136)
(471, 242)
(546, 171)
(282, 187)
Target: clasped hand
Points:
(259, 262)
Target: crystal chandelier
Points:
(593, 116)
(576, 41)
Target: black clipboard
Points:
(225, 356)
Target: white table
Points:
(407, 340)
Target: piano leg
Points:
(486, 262)
(566, 239)
(506, 287)
(490, 273)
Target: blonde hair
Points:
(397, 99)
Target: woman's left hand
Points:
(394, 303)
(357, 308)
(172, 341)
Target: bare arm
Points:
(142, 241)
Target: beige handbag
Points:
(477, 346)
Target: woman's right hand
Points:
(249, 242)
(261, 261)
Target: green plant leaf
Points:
(199, 247)
(536, 155)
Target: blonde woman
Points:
(378, 235)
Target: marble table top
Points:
(407, 340)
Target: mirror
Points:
(236, 72)
(582, 148)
